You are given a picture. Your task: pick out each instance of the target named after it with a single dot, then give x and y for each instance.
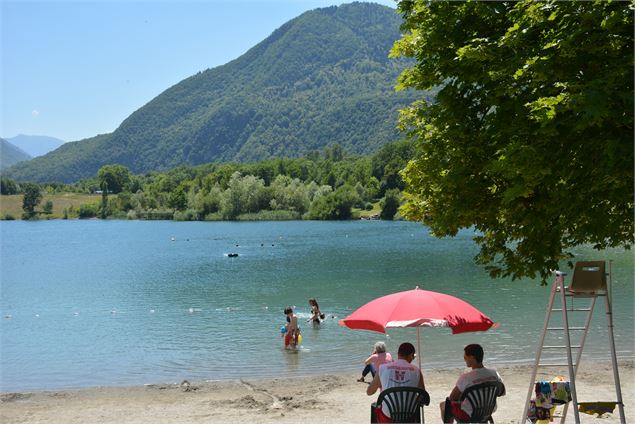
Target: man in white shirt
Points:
(473, 356)
(399, 373)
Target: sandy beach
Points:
(319, 399)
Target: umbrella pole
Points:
(419, 347)
(423, 420)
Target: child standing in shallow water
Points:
(293, 331)
(377, 358)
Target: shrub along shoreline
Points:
(332, 186)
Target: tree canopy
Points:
(32, 197)
(331, 185)
(530, 137)
(113, 178)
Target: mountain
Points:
(35, 145)
(10, 154)
(321, 78)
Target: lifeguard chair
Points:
(589, 281)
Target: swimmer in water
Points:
(316, 315)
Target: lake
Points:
(109, 303)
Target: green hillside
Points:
(10, 154)
(322, 78)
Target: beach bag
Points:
(538, 415)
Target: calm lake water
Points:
(91, 303)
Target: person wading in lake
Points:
(316, 315)
(293, 331)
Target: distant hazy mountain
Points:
(35, 145)
(10, 154)
(321, 78)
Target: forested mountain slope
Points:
(11, 154)
(322, 78)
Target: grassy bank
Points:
(362, 213)
(11, 205)
(11, 208)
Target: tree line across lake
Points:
(322, 186)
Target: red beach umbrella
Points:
(418, 308)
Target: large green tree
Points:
(113, 178)
(8, 186)
(530, 138)
(389, 204)
(32, 195)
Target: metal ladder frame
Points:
(559, 287)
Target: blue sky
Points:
(76, 69)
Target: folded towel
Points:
(599, 408)
(561, 392)
(548, 393)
